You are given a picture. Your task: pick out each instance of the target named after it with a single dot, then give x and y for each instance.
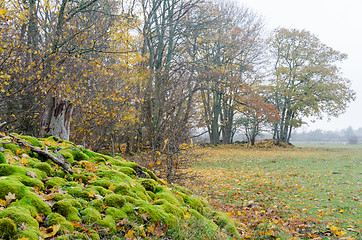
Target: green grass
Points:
(300, 192)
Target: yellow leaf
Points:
(50, 231)
(341, 233)
(3, 11)
(112, 187)
(40, 217)
(151, 228)
(2, 202)
(187, 216)
(130, 234)
(158, 162)
(92, 193)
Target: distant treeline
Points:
(348, 135)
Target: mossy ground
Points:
(105, 198)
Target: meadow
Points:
(285, 193)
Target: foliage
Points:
(307, 81)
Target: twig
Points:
(3, 124)
(60, 162)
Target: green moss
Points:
(62, 237)
(28, 181)
(114, 175)
(22, 216)
(101, 182)
(194, 203)
(58, 196)
(34, 203)
(78, 236)
(98, 160)
(108, 223)
(85, 176)
(89, 153)
(116, 213)
(9, 185)
(130, 199)
(2, 158)
(224, 222)
(84, 194)
(124, 189)
(97, 204)
(148, 184)
(11, 146)
(45, 167)
(114, 200)
(6, 170)
(170, 208)
(140, 191)
(160, 188)
(132, 165)
(7, 228)
(210, 224)
(99, 190)
(156, 213)
(92, 234)
(56, 218)
(67, 154)
(74, 190)
(183, 190)
(65, 207)
(151, 195)
(79, 155)
(128, 171)
(33, 141)
(29, 234)
(170, 197)
(90, 215)
(55, 182)
(151, 174)
(128, 207)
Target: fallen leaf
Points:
(40, 217)
(50, 231)
(129, 234)
(32, 174)
(24, 226)
(145, 216)
(111, 187)
(9, 198)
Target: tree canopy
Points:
(146, 75)
(306, 80)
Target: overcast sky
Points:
(338, 24)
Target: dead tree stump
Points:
(56, 118)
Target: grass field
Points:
(286, 193)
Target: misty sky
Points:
(338, 24)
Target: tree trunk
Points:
(56, 118)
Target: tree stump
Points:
(56, 118)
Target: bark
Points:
(60, 161)
(56, 119)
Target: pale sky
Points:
(338, 24)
